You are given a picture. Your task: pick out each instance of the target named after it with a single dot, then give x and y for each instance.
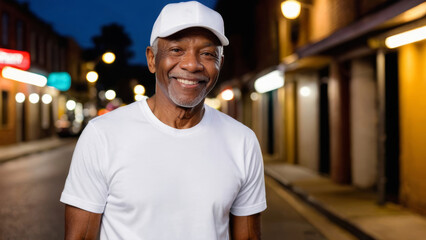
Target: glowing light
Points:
(101, 95)
(17, 59)
(92, 76)
(102, 111)
(46, 98)
(34, 98)
(59, 80)
(291, 9)
(24, 76)
(20, 97)
(110, 94)
(407, 37)
(139, 89)
(71, 104)
(254, 96)
(227, 94)
(213, 102)
(269, 82)
(305, 91)
(108, 57)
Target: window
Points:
(20, 43)
(33, 49)
(49, 55)
(41, 50)
(4, 117)
(5, 29)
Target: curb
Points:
(33, 150)
(302, 195)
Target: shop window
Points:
(5, 29)
(4, 108)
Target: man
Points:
(169, 167)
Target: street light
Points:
(34, 98)
(46, 98)
(227, 95)
(92, 76)
(108, 57)
(110, 94)
(139, 89)
(291, 9)
(20, 97)
(71, 104)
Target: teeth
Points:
(188, 82)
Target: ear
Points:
(221, 61)
(150, 58)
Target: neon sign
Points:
(14, 58)
(59, 80)
(23, 76)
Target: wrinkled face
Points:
(187, 66)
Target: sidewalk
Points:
(13, 151)
(352, 209)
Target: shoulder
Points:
(230, 125)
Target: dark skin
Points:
(186, 66)
(191, 55)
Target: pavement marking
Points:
(330, 230)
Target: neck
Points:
(176, 116)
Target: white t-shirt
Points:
(152, 181)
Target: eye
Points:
(175, 50)
(209, 54)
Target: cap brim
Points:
(223, 40)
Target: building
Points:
(350, 107)
(32, 116)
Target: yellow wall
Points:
(290, 123)
(8, 132)
(412, 80)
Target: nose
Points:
(191, 62)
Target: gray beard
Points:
(186, 104)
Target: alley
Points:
(30, 207)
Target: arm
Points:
(245, 227)
(81, 224)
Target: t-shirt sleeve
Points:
(251, 199)
(86, 185)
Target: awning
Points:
(357, 29)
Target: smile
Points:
(187, 82)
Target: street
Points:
(30, 207)
(31, 187)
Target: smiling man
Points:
(169, 167)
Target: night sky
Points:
(82, 19)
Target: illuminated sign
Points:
(59, 80)
(23, 76)
(14, 58)
(269, 82)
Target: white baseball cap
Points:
(179, 16)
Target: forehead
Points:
(195, 32)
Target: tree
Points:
(120, 75)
